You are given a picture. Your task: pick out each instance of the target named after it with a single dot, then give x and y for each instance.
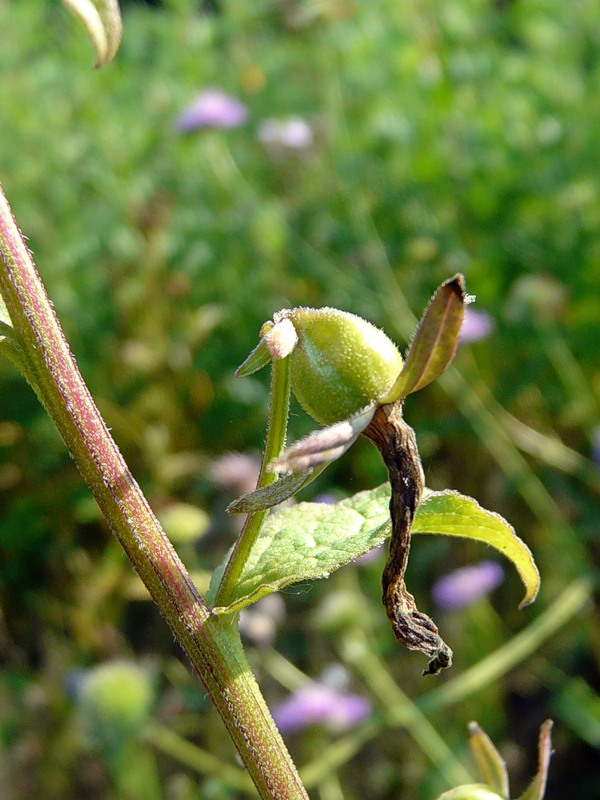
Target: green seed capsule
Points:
(340, 364)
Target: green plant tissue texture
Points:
(312, 540)
(4, 316)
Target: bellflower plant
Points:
(353, 380)
(351, 377)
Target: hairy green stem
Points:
(274, 444)
(212, 644)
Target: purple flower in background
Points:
(476, 325)
(317, 703)
(372, 555)
(259, 623)
(73, 682)
(325, 499)
(236, 471)
(466, 585)
(596, 446)
(292, 133)
(212, 109)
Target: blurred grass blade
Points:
(578, 706)
(102, 21)
(434, 344)
(195, 758)
(568, 606)
(548, 448)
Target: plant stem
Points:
(211, 644)
(274, 444)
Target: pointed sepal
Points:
(277, 340)
(257, 359)
(435, 341)
(324, 446)
(490, 764)
(273, 494)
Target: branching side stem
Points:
(274, 444)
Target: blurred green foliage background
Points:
(448, 135)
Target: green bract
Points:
(340, 363)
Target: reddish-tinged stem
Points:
(211, 643)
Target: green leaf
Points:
(452, 514)
(309, 541)
(434, 344)
(490, 764)
(312, 540)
